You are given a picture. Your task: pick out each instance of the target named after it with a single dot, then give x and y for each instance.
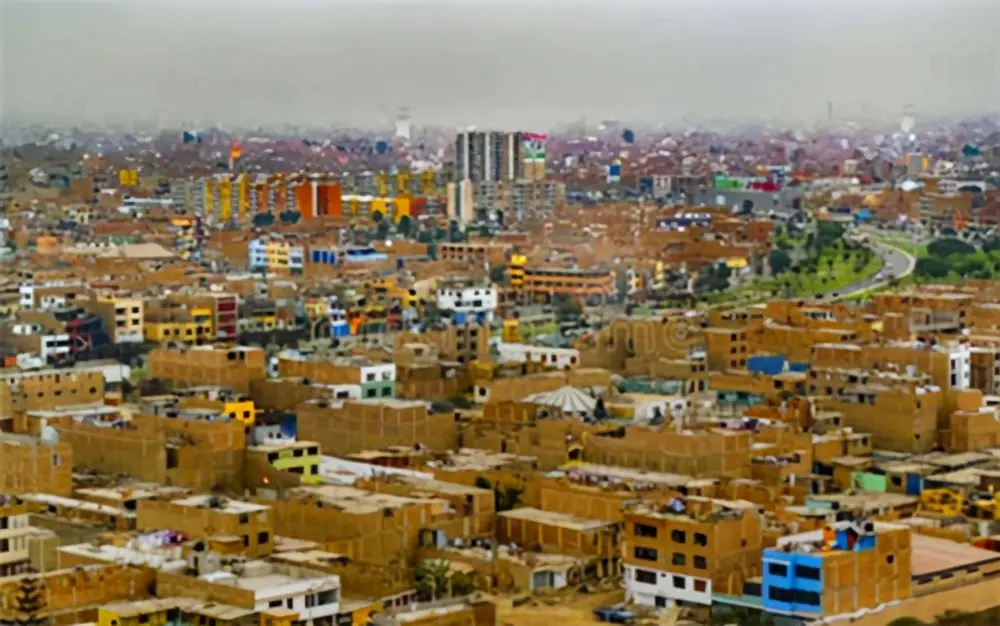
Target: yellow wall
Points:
(106, 617)
(245, 412)
(177, 331)
(225, 200)
(402, 208)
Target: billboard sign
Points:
(534, 147)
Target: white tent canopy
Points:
(567, 399)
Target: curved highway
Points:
(896, 263)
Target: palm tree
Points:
(430, 579)
(507, 498)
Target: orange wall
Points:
(304, 200)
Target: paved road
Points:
(895, 264)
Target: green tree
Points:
(430, 579)
(507, 498)
(567, 309)
(827, 234)
(943, 248)
(992, 244)
(382, 231)
(780, 261)
(968, 264)
(377, 217)
(405, 226)
(504, 498)
(498, 273)
(426, 236)
(931, 267)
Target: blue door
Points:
(914, 484)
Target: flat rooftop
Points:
(358, 501)
(931, 555)
(528, 514)
(73, 503)
(225, 505)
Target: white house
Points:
(475, 303)
(527, 353)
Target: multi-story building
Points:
(225, 312)
(122, 314)
(233, 367)
(516, 199)
(16, 537)
(840, 569)
(475, 304)
(688, 549)
(288, 455)
(43, 336)
(373, 380)
(591, 286)
(180, 324)
(272, 254)
(488, 156)
(32, 464)
(47, 294)
(241, 527)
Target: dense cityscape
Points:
(607, 372)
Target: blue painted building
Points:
(793, 582)
(326, 257)
(819, 573)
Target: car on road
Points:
(615, 615)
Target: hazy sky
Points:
(493, 62)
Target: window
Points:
(272, 457)
(700, 539)
(386, 392)
(172, 458)
(678, 558)
(777, 569)
(645, 554)
(296, 470)
(289, 603)
(314, 469)
(644, 530)
(56, 460)
(370, 393)
(680, 582)
(244, 518)
(678, 536)
(327, 597)
(700, 562)
(808, 598)
(246, 541)
(780, 595)
(645, 576)
(310, 601)
(804, 571)
(700, 586)
(263, 537)
(370, 378)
